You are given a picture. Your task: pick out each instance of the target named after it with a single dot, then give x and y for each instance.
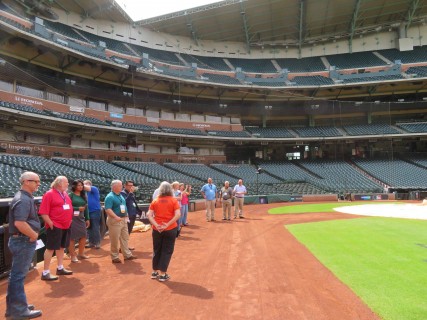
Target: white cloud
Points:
(139, 10)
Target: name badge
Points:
(134, 204)
(66, 206)
(76, 213)
(122, 208)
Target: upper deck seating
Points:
(310, 64)
(370, 129)
(253, 65)
(270, 132)
(413, 127)
(220, 78)
(63, 29)
(421, 71)
(213, 63)
(196, 132)
(418, 54)
(75, 117)
(312, 81)
(317, 131)
(21, 107)
(158, 55)
(355, 60)
(375, 78)
(235, 134)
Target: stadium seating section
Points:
(285, 177)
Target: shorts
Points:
(57, 238)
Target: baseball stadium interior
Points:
(324, 99)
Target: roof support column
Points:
(301, 26)
(353, 25)
(245, 27)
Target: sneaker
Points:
(63, 272)
(49, 277)
(131, 258)
(224, 219)
(154, 275)
(163, 278)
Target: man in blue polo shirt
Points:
(209, 192)
(117, 220)
(94, 206)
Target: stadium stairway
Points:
(368, 175)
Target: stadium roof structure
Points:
(268, 23)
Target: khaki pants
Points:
(118, 232)
(238, 206)
(210, 210)
(226, 209)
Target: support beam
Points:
(84, 12)
(353, 25)
(301, 26)
(192, 31)
(411, 13)
(245, 27)
(62, 7)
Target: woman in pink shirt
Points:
(185, 192)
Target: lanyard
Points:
(62, 196)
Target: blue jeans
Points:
(184, 212)
(94, 232)
(22, 255)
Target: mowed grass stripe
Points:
(316, 207)
(383, 260)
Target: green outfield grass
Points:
(383, 260)
(316, 207)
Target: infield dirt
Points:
(250, 268)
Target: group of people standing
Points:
(225, 196)
(70, 218)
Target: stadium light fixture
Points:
(176, 101)
(425, 98)
(268, 107)
(377, 101)
(401, 100)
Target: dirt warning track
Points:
(249, 268)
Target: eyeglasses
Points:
(36, 181)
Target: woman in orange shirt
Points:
(163, 213)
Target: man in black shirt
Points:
(24, 227)
(131, 205)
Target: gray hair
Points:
(87, 182)
(57, 181)
(174, 183)
(115, 182)
(27, 175)
(165, 189)
(226, 182)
